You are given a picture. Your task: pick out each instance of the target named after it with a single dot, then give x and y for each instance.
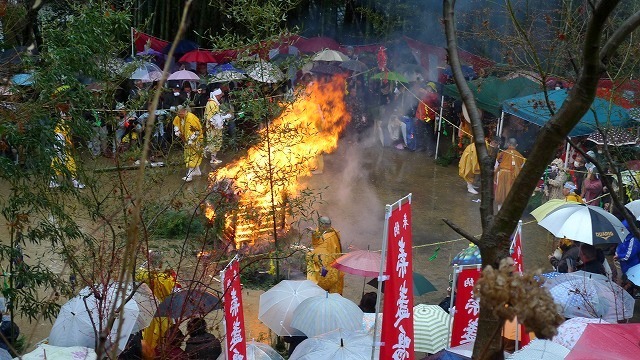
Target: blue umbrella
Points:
(468, 256)
(226, 67)
(533, 108)
(183, 47)
(188, 303)
(22, 79)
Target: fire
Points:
(310, 126)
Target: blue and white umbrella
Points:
(633, 274)
(584, 223)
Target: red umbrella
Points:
(607, 341)
(359, 262)
(201, 56)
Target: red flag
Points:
(516, 249)
(236, 344)
(397, 324)
(467, 308)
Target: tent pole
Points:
(439, 126)
(566, 154)
(500, 124)
(133, 43)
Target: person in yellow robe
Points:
(63, 158)
(468, 167)
(326, 248)
(161, 284)
(508, 166)
(214, 119)
(187, 127)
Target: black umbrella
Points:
(188, 303)
(421, 285)
(615, 137)
(327, 69)
(354, 65)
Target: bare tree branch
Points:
(621, 33)
(461, 231)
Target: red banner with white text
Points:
(397, 324)
(236, 345)
(516, 249)
(466, 308)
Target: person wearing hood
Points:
(555, 180)
(201, 345)
(508, 165)
(214, 124)
(569, 192)
(187, 127)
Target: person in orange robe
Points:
(508, 165)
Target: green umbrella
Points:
(431, 328)
(421, 285)
(391, 76)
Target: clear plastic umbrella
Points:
(265, 72)
(584, 294)
(570, 331)
(335, 345)
(541, 349)
(258, 351)
(279, 302)
(50, 352)
(330, 55)
(147, 72)
(320, 314)
(184, 75)
(634, 207)
(74, 325)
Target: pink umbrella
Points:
(607, 341)
(571, 330)
(184, 75)
(359, 262)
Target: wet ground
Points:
(359, 178)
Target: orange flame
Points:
(308, 127)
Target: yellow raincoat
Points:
(63, 156)
(161, 284)
(326, 248)
(191, 133)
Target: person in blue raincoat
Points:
(628, 251)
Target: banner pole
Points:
(439, 126)
(133, 45)
(383, 262)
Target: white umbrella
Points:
(634, 207)
(584, 294)
(147, 306)
(227, 76)
(83, 316)
(279, 302)
(49, 352)
(431, 328)
(265, 72)
(184, 75)
(258, 351)
(633, 274)
(570, 331)
(335, 345)
(330, 55)
(320, 314)
(147, 72)
(540, 349)
(584, 223)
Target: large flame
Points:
(290, 144)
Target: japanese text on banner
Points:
(234, 318)
(467, 308)
(397, 331)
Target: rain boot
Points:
(188, 178)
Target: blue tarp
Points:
(533, 108)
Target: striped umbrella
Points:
(320, 314)
(585, 223)
(431, 327)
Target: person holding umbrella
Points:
(326, 249)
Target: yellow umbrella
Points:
(550, 206)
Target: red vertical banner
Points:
(397, 324)
(236, 344)
(466, 308)
(516, 249)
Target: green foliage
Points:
(173, 224)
